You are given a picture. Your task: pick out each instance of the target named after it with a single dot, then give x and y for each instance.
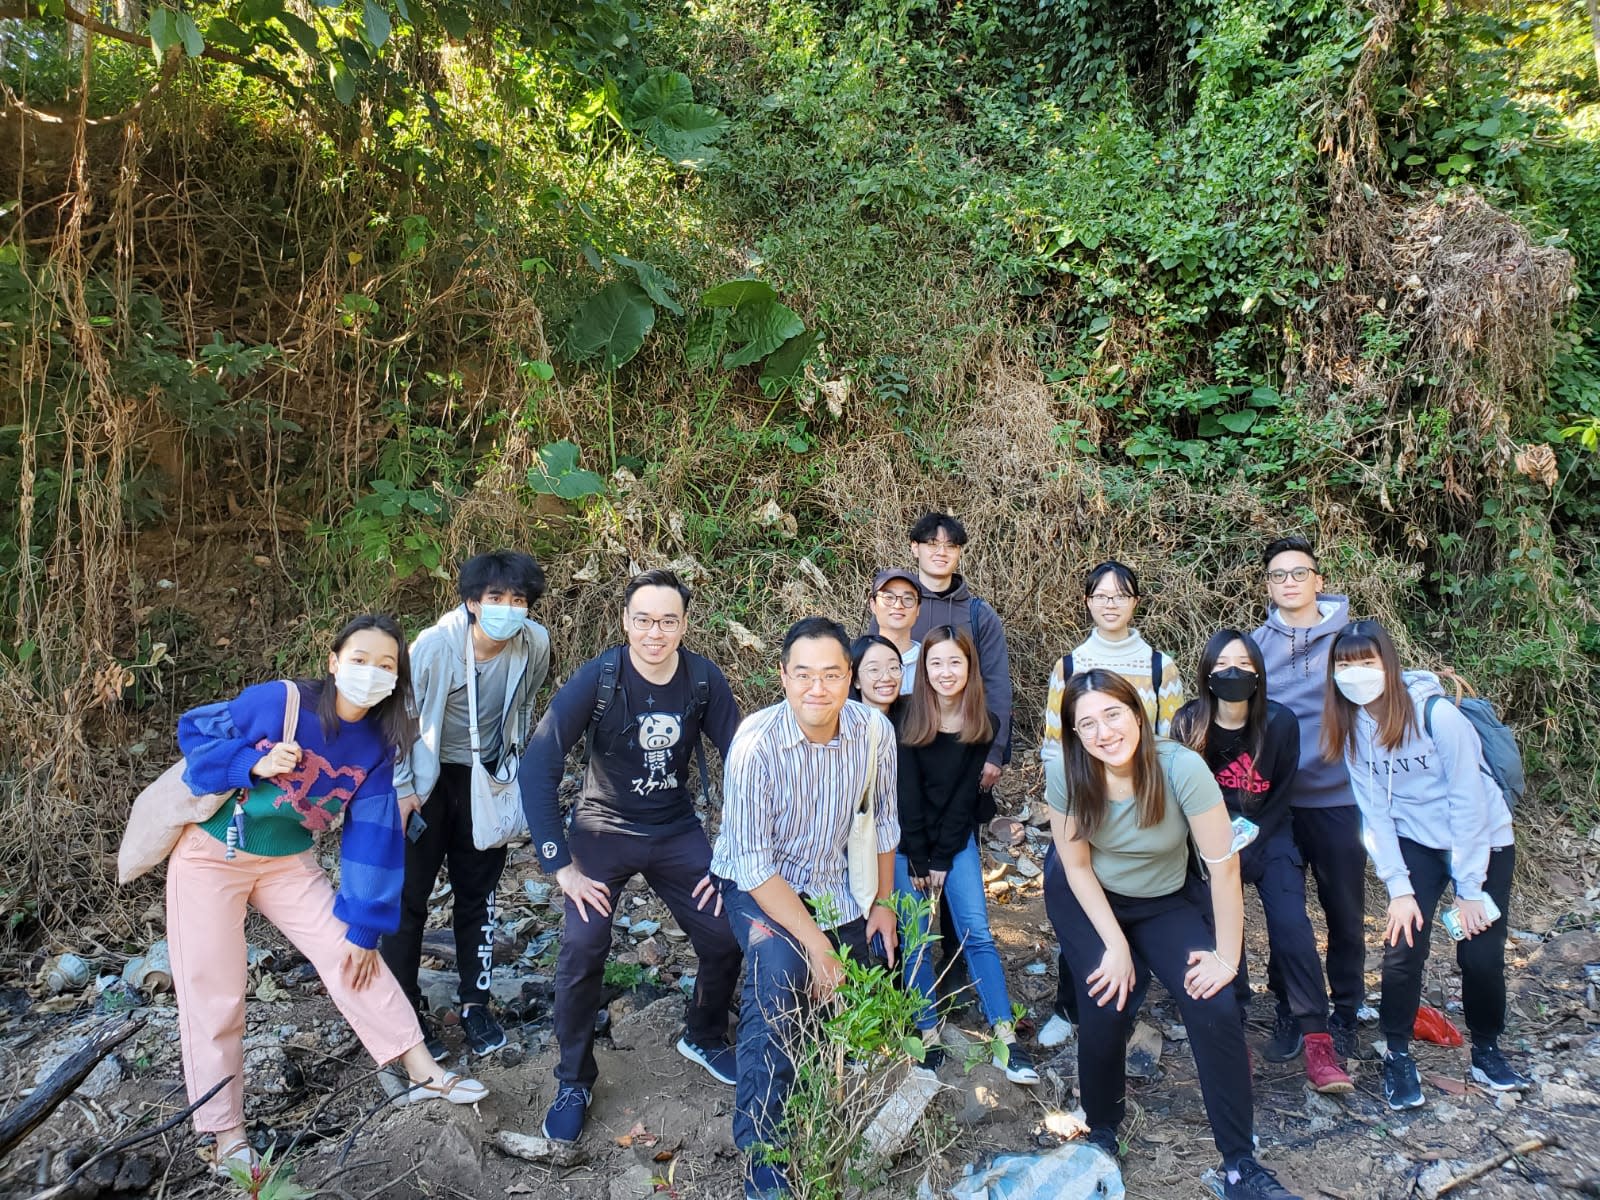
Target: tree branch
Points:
(27, 12)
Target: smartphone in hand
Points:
(415, 826)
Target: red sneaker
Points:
(1322, 1066)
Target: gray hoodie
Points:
(1297, 678)
(1432, 790)
(439, 667)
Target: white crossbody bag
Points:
(861, 852)
(497, 816)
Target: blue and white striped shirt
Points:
(787, 802)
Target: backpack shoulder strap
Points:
(1066, 666)
(1156, 669)
(605, 690)
(699, 703)
(1427, 714)
(291, 709)
(973, 606)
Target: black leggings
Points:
(1161, 932)
(1482, 959)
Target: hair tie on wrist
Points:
(1215, 861)
(1232, 969)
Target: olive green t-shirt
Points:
(1153, 862)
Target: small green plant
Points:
(268, 1180)
(626, 976)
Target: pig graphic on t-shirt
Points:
(658, 734)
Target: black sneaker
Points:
(484, 1035)
(1255, 1182)
(1285, 1042)
(564, 1121)
(1017, 1064)
(433, 1036)
(1345, 1030)
(1490, 1068)
(1106, 1141)
(1401, 1086)
(932, 1058)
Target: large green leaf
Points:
(375, 24)
(762, 328)
(654, 281)
(707, 332)
(599, 102)
(557, 473)
(659, 92)
(612, 324)
(304, 36)
(163, 31)
(189, 32)
(685, 133)
(787, 364)
(739, 291)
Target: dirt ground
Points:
(660, 1126)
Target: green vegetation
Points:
(298, 303)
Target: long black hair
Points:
(1192, 725)
(392, 715)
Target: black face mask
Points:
(1233, 683)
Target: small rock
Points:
(1027, 868)
(638, 1182)
(988, 1097)
(1562, 1094)
(1144, 1051)
(1319, 1105)
(651, 952)
(1567, 950)
(106, 1075)
(897, 1119)
(673, 934)
(134, 1175)
(1443, 1111)
(539, 1149)
(450, 1159)
(268, 1070)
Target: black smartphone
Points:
(415, 826)
(878, 947)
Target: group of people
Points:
(1303, 744)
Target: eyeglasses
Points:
(640, 623)
(1112, 718)
(899, 599)
(828, 679)
(1109, 599)
(1298, 574)
(940, 544)
(872, 674)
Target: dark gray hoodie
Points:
(1297, 678)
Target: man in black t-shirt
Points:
(643, 707)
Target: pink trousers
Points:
(207, 895)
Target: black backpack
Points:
(605, 690)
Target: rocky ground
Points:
(660, 1126)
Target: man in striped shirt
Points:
(794, 775)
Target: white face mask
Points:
(363, 684)
(1359, 685)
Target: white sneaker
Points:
(1057, 1030)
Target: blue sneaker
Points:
(763, 1181)
(564, 1121)
(718, 1058)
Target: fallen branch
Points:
(1478, 1170)
(127, 1143)
(31, 11)
(63, 1081)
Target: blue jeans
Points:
(776, 979)
(963, 888)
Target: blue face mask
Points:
(501, 621)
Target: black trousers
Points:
(1482, 959)
(1329, 841)
(474, 875)
(1161, 932)
(1278, 873)
(671, 866)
